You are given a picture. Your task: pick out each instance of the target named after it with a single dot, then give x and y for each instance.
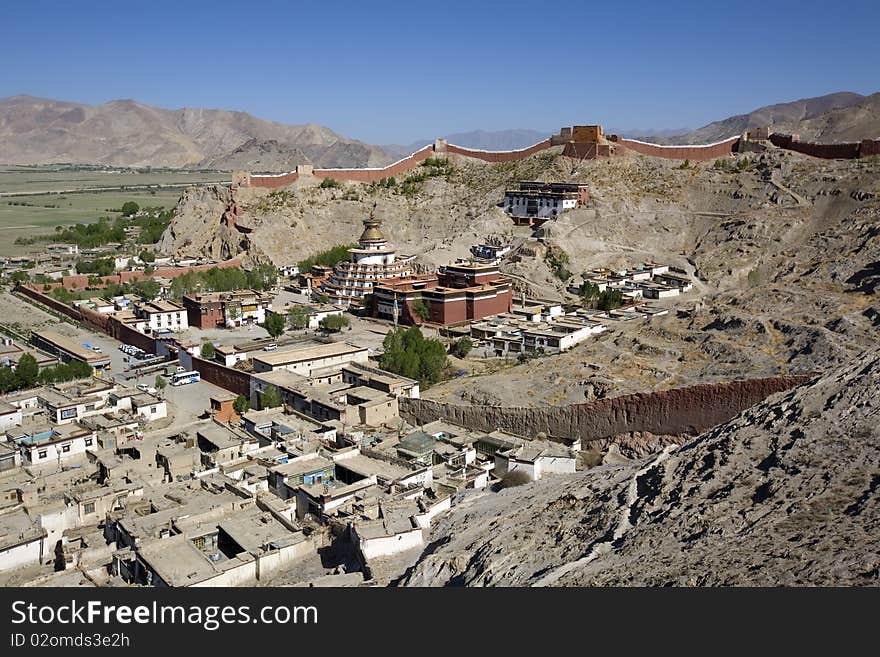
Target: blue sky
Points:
(398, 71)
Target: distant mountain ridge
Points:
(836, 117)
(128, 133)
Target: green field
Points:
(33, 200)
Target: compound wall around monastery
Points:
(689, 410)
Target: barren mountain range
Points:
(835, 117)
(127, 133)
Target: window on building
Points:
(65, 448)
(89, 442)
(88, 508)
(41, 454)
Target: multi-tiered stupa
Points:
(372, 261)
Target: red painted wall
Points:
(499, 156)
(375, 175)
(694, 153)
(400, 167)
(273, 182)
(844, 151)
(226, 377)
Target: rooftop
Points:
(308, 353)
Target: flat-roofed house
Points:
(305, 361)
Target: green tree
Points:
(147, 289)
(420, 308)
(327, 258)
(130, 208)
(8, 381)
(100, 267)
(463, 346)
(241, 405)
(62, 295)
(298, 317)
(160, 383)
(329, 183)
(147, 256)
(262, 277)
(19, 277)
(408, 353)
(333, 323)
(208, 351)
(589, 292)
(274, 325)
(609, 300)
(270, 398)
(26, 371)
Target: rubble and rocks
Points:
(786, 493)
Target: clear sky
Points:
(393, 72)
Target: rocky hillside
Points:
(768, 299)
(127, 133)
(439, 221)
(832, 118)
(785, 494)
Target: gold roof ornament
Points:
(371, 231)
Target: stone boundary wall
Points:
(682, 152)
(98, 321)
(689, 410)
(274, 182)
(376, 174)
(367, 175)
(230, 379)
(499, 156)
(844, 151)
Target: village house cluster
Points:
(92, 488)
(648, 280)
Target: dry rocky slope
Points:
(786, 493)
(843, 116)
(784, 255)
(127, 133)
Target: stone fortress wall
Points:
(579, 142)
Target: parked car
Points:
(179, 368)
(143, 387)
(270, 347)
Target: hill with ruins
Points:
(755, 239)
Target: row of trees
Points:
(606, 299)
(298, 318)
(224, 279)
(407, 352)
(327, 258)
(27, 373)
